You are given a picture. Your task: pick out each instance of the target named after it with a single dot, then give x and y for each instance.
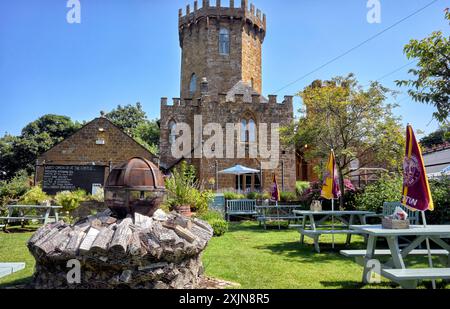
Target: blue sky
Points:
(127, 51)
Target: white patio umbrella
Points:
(239, 170)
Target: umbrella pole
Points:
(430, 259)
(332, 222)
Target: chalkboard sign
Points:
(59, 178)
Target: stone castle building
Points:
(221, 82)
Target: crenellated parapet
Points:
(184, 104)
(214, 14)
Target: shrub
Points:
(99, 196)
(440, 191)
(253, 195)
(264, 196)
(34, 196)
(217, 222)
(288, 196)
(233, 196)
(70, 200)
(387, 189)
(13, 189)
(201, 200)
(301, 187)
(181, 186)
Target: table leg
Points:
(371, 246)
(47, 214)
(302, 236)
(349, 236)
(395, 252)
(56, 215)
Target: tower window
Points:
(172, 136)
(193, 84)
(248, 131)
(224, 41)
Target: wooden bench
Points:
(409, 278)
(240, 208)
(359, 255)
(7, 269)
(277, 214)
(389, 209)
(23, 214)
(315, 235)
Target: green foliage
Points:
(387, 189)
(301, 187)
(201, 200)
(14, 188)
(440, 191)
(34, 196)
(436, 138)
(253, 195)
(217, 222)
(99, 196)
(70, 200)
(357, 123)
(432, 75)
(234, 196)
(288, 196)
(20, 152)
(181, 185)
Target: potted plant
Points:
(181, 186)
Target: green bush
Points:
(70, 200)
(233, 196)
(13, 189)
(440, 191)
(217, 222)
(387, 189)
(301, 187)
(99, 196)
(34, 196)
(201, 200)
(253, 195)
(288, 196)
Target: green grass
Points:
(250, 256)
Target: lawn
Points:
(249, 256)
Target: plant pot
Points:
(184, 210)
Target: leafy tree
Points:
(436, 138)
(356, 123)
(132, 119)
(20, 152)
(128, 117)
(432, 83)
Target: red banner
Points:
(416, 190)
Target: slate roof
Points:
(436, 162)
(245, 89)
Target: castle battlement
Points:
(222, 99)
(194, 14)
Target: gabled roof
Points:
(242, 87)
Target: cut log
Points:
(185, 233)
(122, 236)
(102, 241)
(43, 231)
(183, 222)
(89, 240)
(51, 244)
(143, 222)
(76, 237)
(134, 246)
(204, 226)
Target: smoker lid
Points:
(137, 173)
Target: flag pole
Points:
(430, 259)
(278, 216)
(332, 222)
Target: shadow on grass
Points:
(23, 283)
(19, 229)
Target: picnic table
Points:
(317, 228)
(395, 269)
(23, 213)
(277, 213)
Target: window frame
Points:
(224, 41)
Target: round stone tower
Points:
(221, 44)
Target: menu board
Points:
(59, 178)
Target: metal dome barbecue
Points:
(136, 186)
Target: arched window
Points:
(224, 41)
(244, 130)
(248, 131)
(172, 135)
(252, 131)
(193, 84)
